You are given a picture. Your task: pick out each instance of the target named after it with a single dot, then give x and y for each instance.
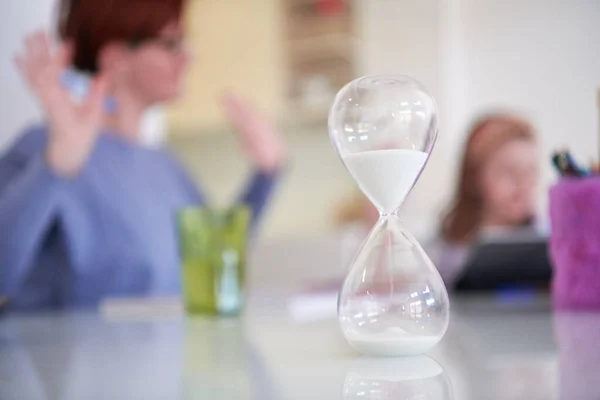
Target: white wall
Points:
(17, 106)
(537, 57)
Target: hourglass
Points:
(393, 301)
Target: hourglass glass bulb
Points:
(393, 301)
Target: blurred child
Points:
(496, 190)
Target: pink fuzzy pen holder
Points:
(575, 240)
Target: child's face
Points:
(508, 182)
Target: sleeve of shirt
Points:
(29, 193)
(193, 193)
(255, 194)
(258, 191)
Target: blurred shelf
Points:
(290, 61)
(300, 114)
(238, 46)
(320, 48)
(302, 24)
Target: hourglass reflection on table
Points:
(393, 301)
(398, 379)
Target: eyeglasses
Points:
(174, 44)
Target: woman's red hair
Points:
(91, 24)
(487, 135)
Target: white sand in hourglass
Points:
(394, 342)
(386, 176)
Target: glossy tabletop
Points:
(495, 348)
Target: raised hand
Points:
(260, 139)
(73, 126)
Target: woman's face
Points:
(155, 68)
(508, 182)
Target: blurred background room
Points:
(537, 60)
(291, 56)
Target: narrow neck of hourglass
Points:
(387, 215)
(392, 223)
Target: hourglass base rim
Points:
(395, 347)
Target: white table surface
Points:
(494, 349)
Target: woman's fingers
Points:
(236, 109)
(34, 59)
(22, 65)
(44, 48)
(65, 55)
(34, 47)
(41, 65)
(40, 58)
(27, 69)
(93, 105)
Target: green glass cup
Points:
(213, 254)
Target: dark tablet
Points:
(507, 263)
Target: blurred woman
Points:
(496, 190)
(85, 211)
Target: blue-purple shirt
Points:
(110, 232)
